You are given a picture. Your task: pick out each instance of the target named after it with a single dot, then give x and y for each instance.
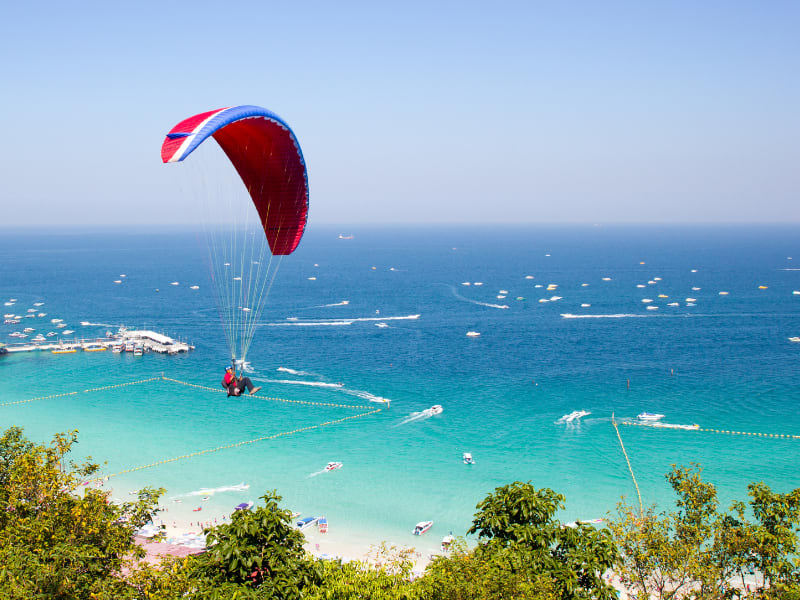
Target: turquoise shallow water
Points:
(724, 363)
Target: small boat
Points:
(794, 339)
(28, 329)
(647, 416)
(56, 320)
(307, 522)
(61, 325)
(194, 287)
(467, 458)
(68, 332)
(575, 414)
(51, 333)
(322, 525)
(129, 346)
(473, 334)
(244, 506)
(436, 409)
(117, 347)
(422, 527)
(38, 303)
(447, 541)
(332, 466)
(94, 348)
(138, 350)
(64, 351)
(41, 314)
(198, 509)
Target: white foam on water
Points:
(321, 384)
(615, 316)
(240, 487)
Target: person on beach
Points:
(235, 385)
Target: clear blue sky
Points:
(424, 112)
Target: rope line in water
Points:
(628, 460)
(307, 402)
(237, 444)
(725, 431)
(96, 389)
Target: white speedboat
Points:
(575, 414)
(473, 334)
(467, 458)
(332, 466)
(648, 416)
(422, 527)
(436, 409)
(447, 541)
(67, 332)
(307, 522)
(322, 525)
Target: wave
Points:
(342, 303)
(88, 324)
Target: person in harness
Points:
(236, 385)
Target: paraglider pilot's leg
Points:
(244, 382)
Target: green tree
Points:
(260, 550)
(56, 542)
(521, 538)
(699, 552)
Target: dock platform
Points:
(149, 340)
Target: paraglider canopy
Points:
(265, 153)
(245, 246)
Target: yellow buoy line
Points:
(724, 431)
(213, 389)
(237, 444)
(628, 460)
(370, 411)
(95, 389)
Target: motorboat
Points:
(575, 414)
(117, 347)
(422, 527)
(129, 346)
(307, 522)
(447, 541)
(648, 416)
(436, 409)
(332, 466)
(473, 334)
(68, 332)
(322, 525)
(468, 460)
(61, 325)
(243, 506)
(94, 348)
(51, 333)
(138, 350)
(64, 351)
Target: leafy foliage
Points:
(54, 541)
(699, 552)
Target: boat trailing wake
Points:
(614, 316)
(417, 416)
(241, 487)
(333, 322)
(489, 304)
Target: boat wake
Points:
(334, 322)
(488, 304)
(321, 384)
(300, 373)
(241, 487)
(614, 316)
(419, 416)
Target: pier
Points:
(150, 341)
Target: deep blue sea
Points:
(720, 361)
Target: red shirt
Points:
(228, 377)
